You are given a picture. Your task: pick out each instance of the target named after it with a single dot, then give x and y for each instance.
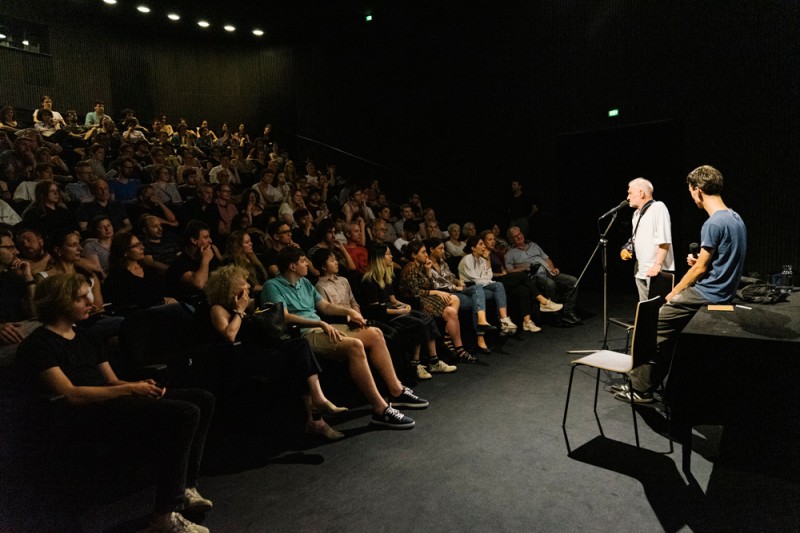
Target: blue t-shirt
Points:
(300, 299)
(725, 237)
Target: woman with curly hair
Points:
(239, 252)
(228, 293)
(416, 281)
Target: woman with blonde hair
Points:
(228, 293)
(239, 252)
(414, 327)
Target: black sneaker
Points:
(393, 419)
(408, 400)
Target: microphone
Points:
(694, 249)
(613, 210)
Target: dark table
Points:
(738, 367)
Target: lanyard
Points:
(644, 209)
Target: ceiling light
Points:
(174, 16)
(143, 9)
(228, 27)
(26, 42)
(368, 18)
(2, 35)
(110, 2)
(257, 32)
(203, 23)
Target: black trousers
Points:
(169, 432)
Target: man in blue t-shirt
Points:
(351, 345)
(713, 278)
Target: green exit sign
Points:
(613, 112)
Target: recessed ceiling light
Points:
(174, 16)
(2, 35)
(143, 9)
(26, 42)
(257, 32)
(110, 2)
(228, 27)
(203, 23)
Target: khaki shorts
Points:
(321, 343)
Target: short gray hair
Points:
(643, 184)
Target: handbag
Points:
(267, 325)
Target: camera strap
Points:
(642, 211)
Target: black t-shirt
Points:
(77, 358)
(180, 266)
(13, 294)
(127, 291)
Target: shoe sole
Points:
(409, 405)
(197, 508)
(391, 425)
(443, 371)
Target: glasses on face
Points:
(135, 246)
(284, 232)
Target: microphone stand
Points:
(602, 243)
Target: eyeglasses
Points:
(284, 232)
(134, 246)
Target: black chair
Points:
(660, 285)
(643, 349)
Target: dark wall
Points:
(460, 101)
(466, 100)
(148, 69)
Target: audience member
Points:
(338, 341)
(187, 275)
(526, 256)
(103, 205)
(171, 425)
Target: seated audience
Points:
(80, 191)
(187, 275)
(338, 341)
(416, 281)
(103, 205)
(31, 248)
(520, 285)
(169, 424)
(239, 252)
(305, 233)
(47, 213)
(228, 293)
(472, 298)
(413, 327)
(251, 209)
(526, 256)
(454, 246)
(356, 239)
(475, 267)
(131, 285)
(159, 249)
(97, 247)
(166, 190)
(16, 298)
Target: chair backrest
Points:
(643, 347)
(661, 285)
(151, 336)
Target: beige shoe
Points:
(530, 326)
(442, 368)
(550, 307)
(422, 372)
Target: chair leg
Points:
(633, 410)
(569, 391)
(669, 418)
(596, 390)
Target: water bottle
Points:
(787, 279)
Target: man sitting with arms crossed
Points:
(338, 341)
(712, 279)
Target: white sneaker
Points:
(530, 326)
(176, 524)
(507, 327)
(442, 368)
(422, 372)
(195, 502)
(550, 307)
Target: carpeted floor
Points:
(490, 455)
